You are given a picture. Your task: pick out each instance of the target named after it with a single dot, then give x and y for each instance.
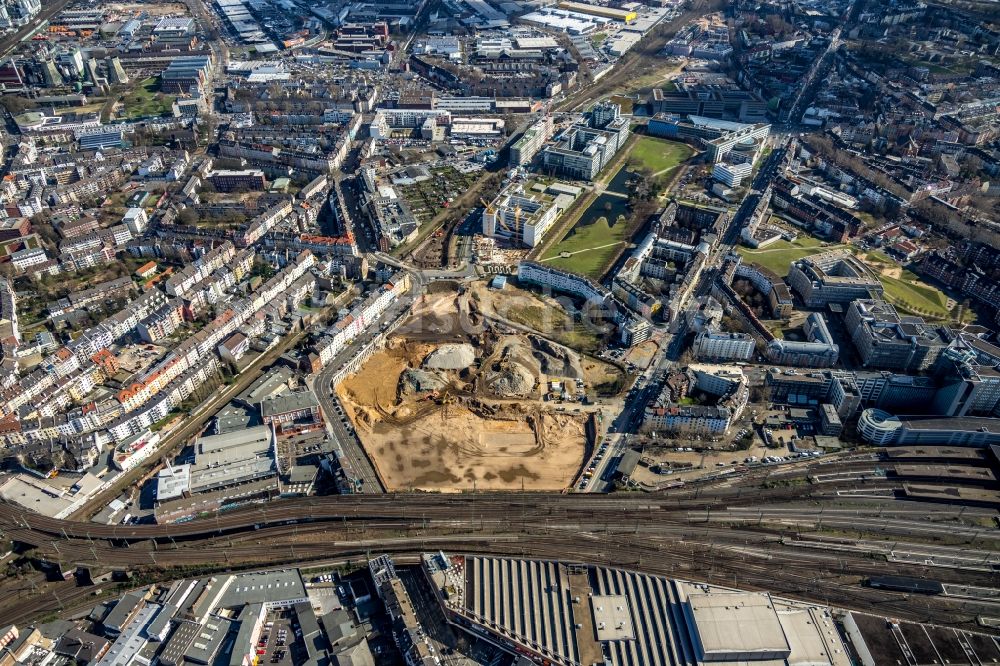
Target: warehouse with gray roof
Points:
(571, 614)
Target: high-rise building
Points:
(586, 148)
(524, 149)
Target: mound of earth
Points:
(556, 360)
(413, 381)
(518, 351)
(513, 381)
(451, 357)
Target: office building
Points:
(888, 341)
(523, 217)
(721, 139)
(818, 351)
(732, 175)
(709, 102)
(523, 151)
(585, 148)
(833, 277)
(880, 428)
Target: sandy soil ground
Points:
(642, 354)
(455, 449)
(437, 316)
(895, 272)
(547, 316)
(374, 389)
(456, 442)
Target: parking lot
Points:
(277, 640)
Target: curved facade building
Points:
(833, 277)
(879, 427)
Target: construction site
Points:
(458, 400)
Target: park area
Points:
(779, 255)
(907, 291)
(603, 229)
(592, 242)
(657, 156)
(146, 100)
(903, 288)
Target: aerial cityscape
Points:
(500, 332)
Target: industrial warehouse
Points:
(568, 614)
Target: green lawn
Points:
(879, 257)
(658, 154)
(628, 106)
(589, 246)
(911, 293)
(145, 100)
(779, 256)
(907, 292)
(598, 38)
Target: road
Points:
(353, 458)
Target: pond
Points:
(606, 205)
(617, 183)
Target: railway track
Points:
(736, 505)
(709, 554)
(726, 534)
(394, 506)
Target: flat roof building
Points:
(575, 614)
(833, 277)
(585, 148)
(523, 217)
(719, 137)
(735, 627)
(886, 340)
(291, 410)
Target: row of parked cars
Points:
(592, 468)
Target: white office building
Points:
(722, 346)
(731, 175)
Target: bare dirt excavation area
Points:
(458, 401)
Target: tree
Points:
(15, 104)
(187, 217)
